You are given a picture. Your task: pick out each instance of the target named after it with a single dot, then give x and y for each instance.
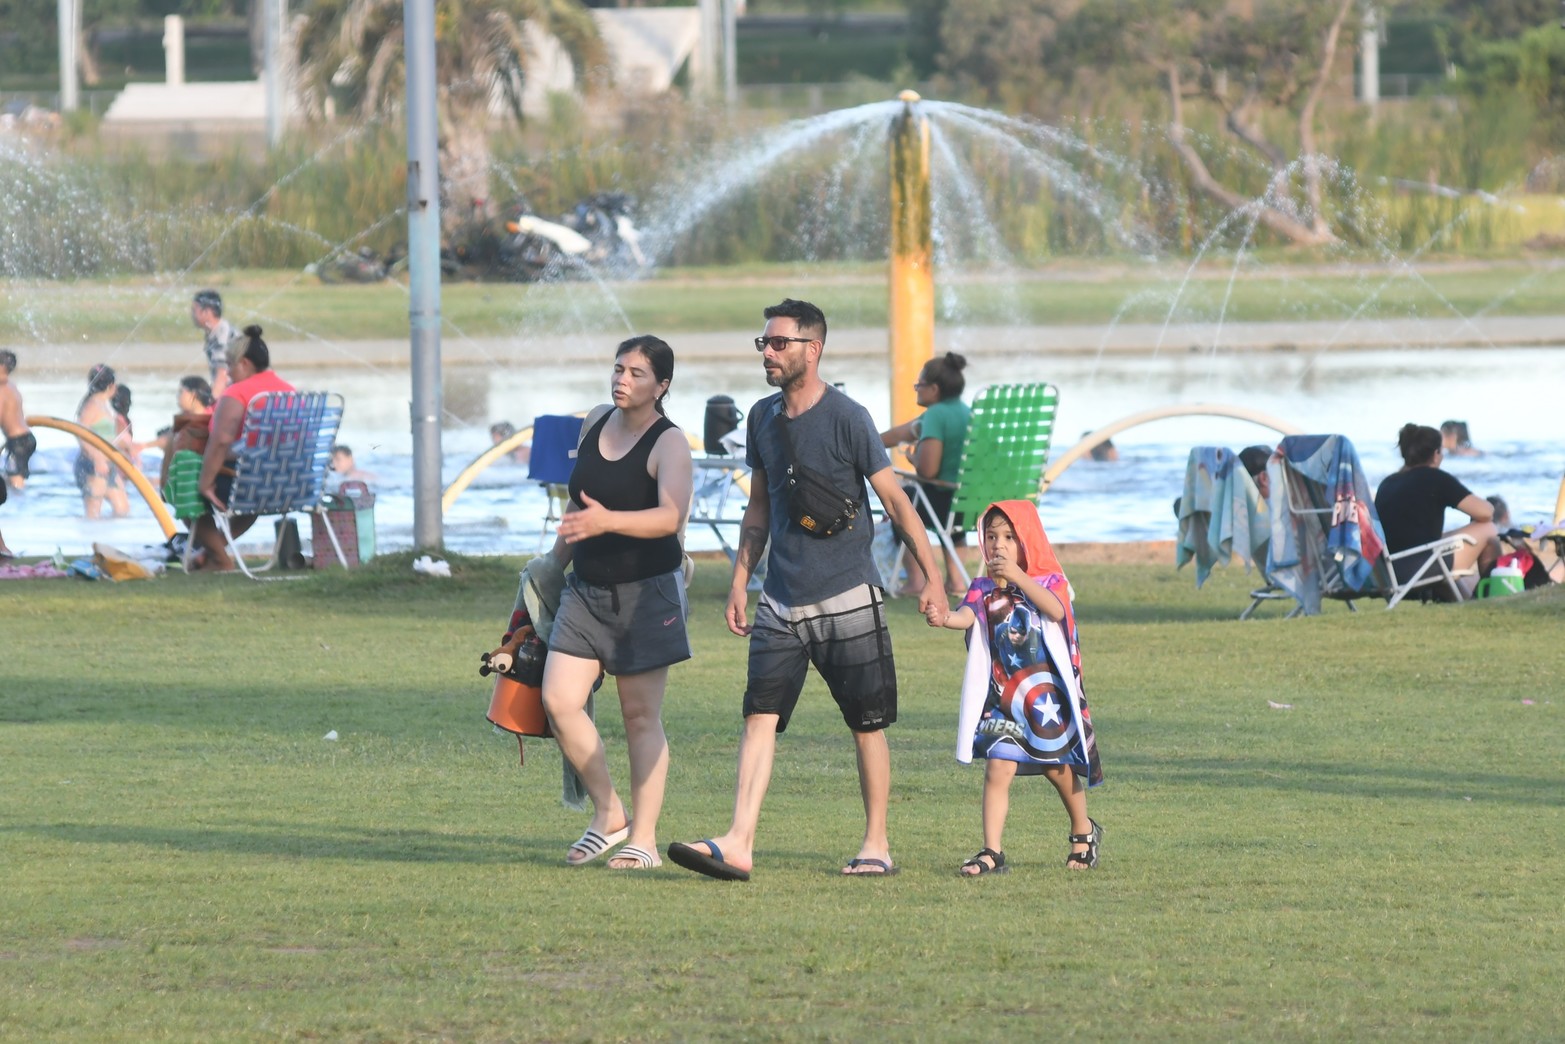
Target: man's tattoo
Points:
(752, 544)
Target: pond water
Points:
(1505, 394)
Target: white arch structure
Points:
(1157, 413)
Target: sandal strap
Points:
(1088, 838)
(996, 858)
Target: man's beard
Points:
(784, 377)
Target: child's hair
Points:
(198, 387)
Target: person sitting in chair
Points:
(1412, 503)
(191, 425)
(938, 437)
(249, 374)
(1254, 459)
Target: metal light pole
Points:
(704, 65)
(272, 48)
(69, 98)
(730, 53)
(418, 21)
(1369, 57)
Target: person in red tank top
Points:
(249, 374)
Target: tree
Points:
(350, 51)
(1524, 78)
(1500, 19)
(1255, 61)
(1283, 59)
(997, 46)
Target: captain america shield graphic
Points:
(1035, 699)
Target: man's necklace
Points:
(818, 396)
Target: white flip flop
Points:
(644, 860)
(594, 844)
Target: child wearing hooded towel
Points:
(1023, 708)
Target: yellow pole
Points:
(912, 312)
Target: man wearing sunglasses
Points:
(822, 602)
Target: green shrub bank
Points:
(1106, 190)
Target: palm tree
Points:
(350, 51)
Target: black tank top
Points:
(621, 485)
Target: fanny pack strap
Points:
(782, 420)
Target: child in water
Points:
(1023, 708)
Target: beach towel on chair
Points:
(1219, 514)
(538, 591)
(1326, 539)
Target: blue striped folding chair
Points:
(283, 453)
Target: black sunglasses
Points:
(779, 344)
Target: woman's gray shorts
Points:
(629, 628)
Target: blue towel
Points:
(1220, 513)
(1326, 537)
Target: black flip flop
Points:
(692, 858)
(886, 869)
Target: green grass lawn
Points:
(185, 858)
(678, 300)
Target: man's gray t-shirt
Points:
(837, 439)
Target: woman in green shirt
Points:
(937, 437)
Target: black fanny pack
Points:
(818, 506)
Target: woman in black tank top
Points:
(623, 610)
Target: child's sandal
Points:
(1088, 859)
(995, 864)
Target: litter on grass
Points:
(431, 566)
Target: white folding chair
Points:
(1434, 569)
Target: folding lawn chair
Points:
(1004, 458)
(282, 455)
(553, 459)
(1326, 537)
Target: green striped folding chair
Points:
(1005, 456)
